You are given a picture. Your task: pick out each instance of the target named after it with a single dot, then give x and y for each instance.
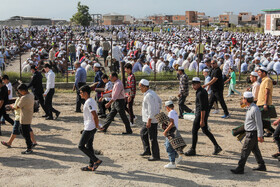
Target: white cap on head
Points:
(167, 103)
(97, 65)
(255, 74)
(205, 70)
(257, 58)
(144, 82)
(275, 58)
(263, 68)
(181, 68)
(196, 79)
(248, 95)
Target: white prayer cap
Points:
(168, 103)
(196, 79)
(257, 58)
(144, 82)
(275, 58)
(97, 65)
(248, 95)
(263, 68)
(255, 74)
(226, 54)
(205, 70)
(181, 68)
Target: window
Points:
(277, 24)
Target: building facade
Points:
(272, 21)
(113, 19)
(25, 21)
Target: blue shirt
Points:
(137, 67)
(97, 78)
(80, 76)
(244, 67)
(171, 62)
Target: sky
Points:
(64, 9)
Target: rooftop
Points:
(271, 10)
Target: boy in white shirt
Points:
(171, 128)
(91, 123)
(108, 87)
(6, 81)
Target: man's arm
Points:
(266, 99)
(1, 103)
(211, 82)
(170, 126)
(95, 118)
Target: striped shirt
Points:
(184, 85)
(132, 82)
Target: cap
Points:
(144, 82)
(248, 95)
(275, 58)
(181, 68)
(196, 79)
(168, 103)
(263, 68)
(255, 74)
(257, 58)
(205, 70)
(97, 65)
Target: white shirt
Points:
(89, 106)
(146, 69)
(226, 67)
(84, 64)
(276, 67)
(173, 115)
(160, 67)
(186, 64)
(50, 81)
(9, 86)
(151, 106)
(116, 53)
(193, 66)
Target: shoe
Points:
(78, 111)
(170, 166)
(267, 135)
(27, 152)
(215, 112)
(260, 168)
(153, 159)
(132, 124)
(217, 150)
(34, 145)
(99, 113)
(6, 144)
(44, 116)
(237, 171)
(190, 152)
(145, 154)
(49, 118)
(103, 116)
(125, 133)
(135, 118)
(225, 116)
(178, 160)
(181, 117)
(57, 114)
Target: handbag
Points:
(270, 113)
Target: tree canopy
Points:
(82, 17)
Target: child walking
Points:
(232, 83)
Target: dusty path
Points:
(57, 160)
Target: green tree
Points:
(82, 17)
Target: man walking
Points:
(183, 92)
(150, 107)
(80, 80)
(37, 87)
(217, 86)
(254, 133)
(118, 105)
(201, 118)
(48, 94)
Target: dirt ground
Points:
(57, 160)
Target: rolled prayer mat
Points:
(238, 130)
(189, 116)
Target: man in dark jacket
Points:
(37, 87)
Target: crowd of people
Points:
(218, 55)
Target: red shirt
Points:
(131, 81)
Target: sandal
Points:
(6, 144)
(96, 165)
(275, 155)
(87, 168)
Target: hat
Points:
(205, 70)
(263, 68)
(255, 74)
(168, 103)
(248, 95)
(257, 58)
(181, 68)
(97, 65)
(144, 82)
(275, 58)
(196, 79)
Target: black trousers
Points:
(129, 109)
(86, 146)
(218, 96)
(276, 137)
(103, 103)
(250, 144)
(196, 127)
(105, 54)
(48, 103)
(6, 117)
(79, 100)
(182, 107)
(118, 107)
(151, 133)
(41, 101)
(267, 125)
(25, 130)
